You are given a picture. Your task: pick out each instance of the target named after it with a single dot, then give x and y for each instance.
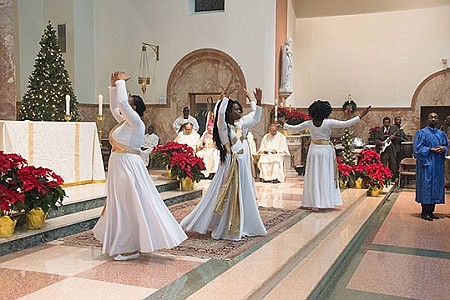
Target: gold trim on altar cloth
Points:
(83, 182)
(77, 152)
(30, 143)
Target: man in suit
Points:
(400, 137)
(384, 138)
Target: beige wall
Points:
(380, 58)
(245, 31)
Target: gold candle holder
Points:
(67, 118)
(100, 127)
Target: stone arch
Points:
(437, 86)
(432, 91)
(204, 71)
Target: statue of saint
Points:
(286, 69)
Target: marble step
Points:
(94, 195)
(264, 272)
(319, 262)
(74, 221)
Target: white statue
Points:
(286, 69)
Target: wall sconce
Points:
(144, 70)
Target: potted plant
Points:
(187, 167)
(43, 191)
(292, 116)
(161, 154)
(10, 193)
(345, 173)
(28, 189)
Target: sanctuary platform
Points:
(370, 248)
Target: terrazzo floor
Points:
(403, 256)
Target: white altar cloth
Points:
(70, 149)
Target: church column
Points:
(8, 93)
(280, 38)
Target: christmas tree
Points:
(348, 156)
(48, 84)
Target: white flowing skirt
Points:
(320, 189)
(135, 218)
(203, 217)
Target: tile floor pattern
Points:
(57, 271)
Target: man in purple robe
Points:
(430, 146)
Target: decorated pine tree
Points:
(348, 156)
(48, 84)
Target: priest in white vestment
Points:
(150, 141)
(188, 136)
(273, 151)
(180, 122)
(208, 151)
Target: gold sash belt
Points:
(230, 187)
(336, 172)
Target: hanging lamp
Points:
(144, 70)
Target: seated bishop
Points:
(208, 151)
(273, 151)
(188, 136)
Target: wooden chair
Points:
(406, 169)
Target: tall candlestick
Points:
(276, 109)
(100, 104)
(67, 104)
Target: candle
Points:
(67, 105)
(276, 109)
(100, 104)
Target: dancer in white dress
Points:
(321, 189)
(229, 206)
(135, 218)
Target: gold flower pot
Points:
(186, 184)
(169, 174)
(35, 218)
(343, 183)
(7, 226)
(359, 183)
(373, 192)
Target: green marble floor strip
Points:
(333, 285)
(410, 251)
(194, 280)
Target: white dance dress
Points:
(321, 189)
(135, 217)
(229, 205)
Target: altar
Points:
(298, 148)
(70, 149)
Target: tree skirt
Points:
(275, 220)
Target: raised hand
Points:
(247, 94)
(123, 76)
(258, 95)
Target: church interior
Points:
(391, 55)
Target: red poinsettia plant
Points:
(24, 187)
(292, 116)
(187, 164)
(369, 168)
(163, 153)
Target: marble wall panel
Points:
(7, 70)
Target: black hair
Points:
(231, 102)
(320, 109)
(140, 105)
(216, 137)
(386, 118)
